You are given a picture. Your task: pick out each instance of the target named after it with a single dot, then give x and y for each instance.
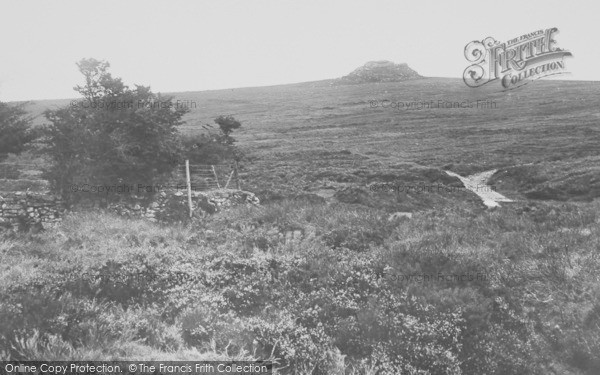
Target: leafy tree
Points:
(15, 129)
(227, 124)
(113, 135)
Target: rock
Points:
(206, 205)
(218, 199)
(400, 215)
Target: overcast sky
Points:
(202, 45)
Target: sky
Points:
(181, 45)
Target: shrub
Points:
(318, 309)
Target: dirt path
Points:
(477, 183)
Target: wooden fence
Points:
(208, 177)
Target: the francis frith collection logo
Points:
(516, 62)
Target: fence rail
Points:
(209, 177)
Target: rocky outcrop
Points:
(380, 71)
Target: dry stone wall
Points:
(173, 206)
(24, 209)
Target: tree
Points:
(15, 129)
(227, 124)
(113, 135)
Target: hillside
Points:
(334, 273)
(306, 135)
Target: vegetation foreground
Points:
(331, 275)
(510, 291)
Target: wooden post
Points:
(189, 185)
(229, 179)
(237, 176)
(216, 178)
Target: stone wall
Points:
(22, 210)
(173, 206)
(19, 210)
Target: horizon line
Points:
(277, 84)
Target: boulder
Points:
(400, 216)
